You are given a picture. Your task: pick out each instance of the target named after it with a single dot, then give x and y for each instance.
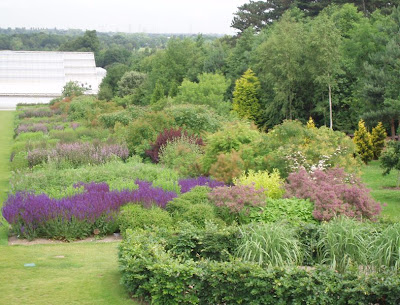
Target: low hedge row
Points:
(152, 272)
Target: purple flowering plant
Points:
(79, 215)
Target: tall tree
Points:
(280, 64)
(381, 81)
(324, 54)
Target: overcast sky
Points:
(150, 16)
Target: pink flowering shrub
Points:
(333, 193)
(235, 202)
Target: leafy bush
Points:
(234, 202)
(290, 210)
(80, 107)
(227, 167)
(138, 136)
(182, 155)
(19, 161)
(271, 183)
(196, 214)
(291, 146)
(169, 135)
(210, 241)
(210, 90)
(196, 118)
(133, 216)
(150, 270)
(390, 159)
(108, 120)
(231, 137)
(333, 193)
(269, 245)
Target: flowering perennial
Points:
(78, 153)
(333, 193)
(28, 212)
(187, 184)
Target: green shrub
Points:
(20, 161)
(211, 241)
(235, 202)
(108, 120)
(139, 135)
(182, 155)
(30, 136)
(197, 195)
(269, 245)
(152, 269)
(197, 214)
(271, 183)
(227, 167)
(159, 120)
(291, 146)
(195, 118)
(80, 106)
(64, 136)
(134, 216)
(291, 210)
(231, 137)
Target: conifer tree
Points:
(310, 123)
(245, 96)
(378, 137)
(362, 139)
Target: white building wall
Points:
(29, 76)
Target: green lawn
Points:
(372, 176)
(87, 273)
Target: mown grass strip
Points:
(76, 273)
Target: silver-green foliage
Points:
(270, 244)
(343, 243)
(385, 248)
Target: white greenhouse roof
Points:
(31, 74)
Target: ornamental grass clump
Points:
(269, 244)
(343, 243)
(77, 216)
(235, 202)
(334, 193)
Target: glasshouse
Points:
(38, 77)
